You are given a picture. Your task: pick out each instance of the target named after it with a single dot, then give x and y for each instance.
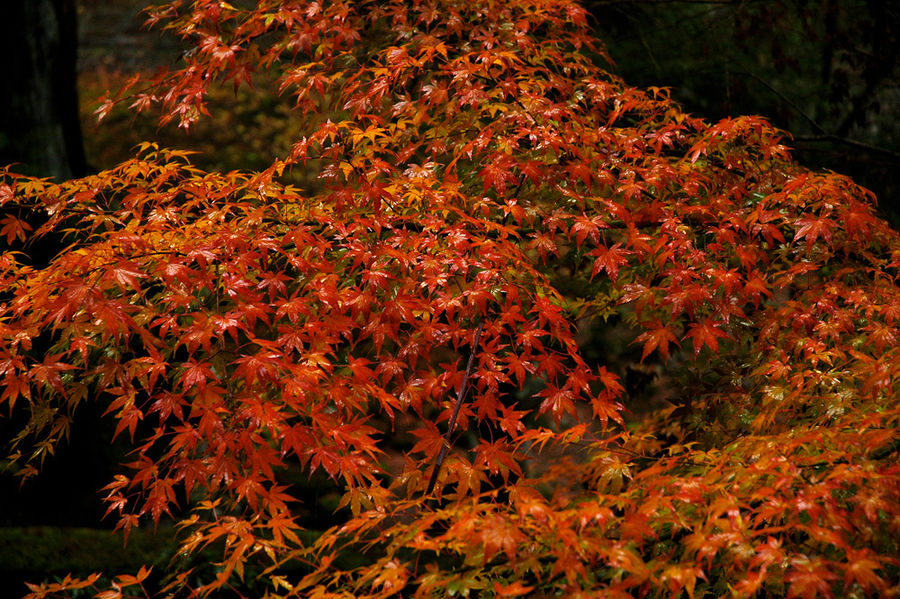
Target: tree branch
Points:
(786, 100)
(445, 446)
(849, 142)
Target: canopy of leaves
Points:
(483, 187)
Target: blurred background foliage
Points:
(825, 70)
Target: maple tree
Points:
(484, 187)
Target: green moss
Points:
(49, 550)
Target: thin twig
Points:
(445, 446)
(848, 142)
(787, 100)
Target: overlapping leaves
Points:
(477, 171)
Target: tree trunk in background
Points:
(39, 126)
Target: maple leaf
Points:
(810, 229)
(658, 337)
(558, 402)
(519, 368)
(497, 174)
(586, 227)
(755, 286)
(705, 333)
(609, 259)
(126, 273)
(430, 440)
(14, 228)
(515, 589)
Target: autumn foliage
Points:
(485, 192)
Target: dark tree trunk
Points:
(39, 126)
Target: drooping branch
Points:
(445, 446)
